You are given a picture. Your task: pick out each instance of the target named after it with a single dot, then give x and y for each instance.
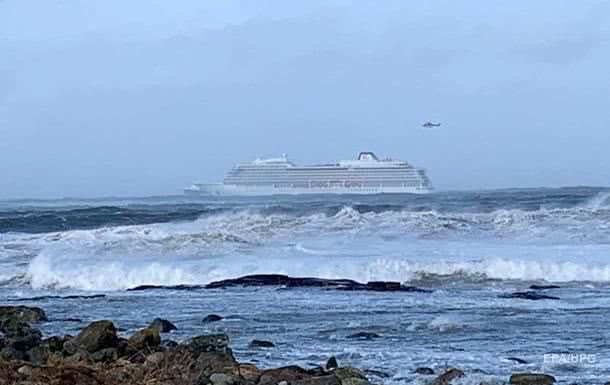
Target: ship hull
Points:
(233, 190)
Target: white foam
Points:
(558, 245)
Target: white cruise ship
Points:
(279, 176)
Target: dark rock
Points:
(212, 318)
(38, 355)
(161, 287)
(211, 362)
(544, 287)
(517, 360)
(332, 363)
(424, 371)
(377, 373)
(531, 295)
(23, 313)
(19, 335)
(169, 344)
(317, 371)
(209, 343)
(365, 336)
(55, 344)
(8, 353)
(448, 376)
(288, 373)
(105, 355)
(145, 339)
(531, 379)
(77, 320)
(97, 336)
(290, 282)
(261, 344)
(162, 325)
(47, 297)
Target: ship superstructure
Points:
(275, 176)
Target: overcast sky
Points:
(142, 97)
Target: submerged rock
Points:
(531, 295)
(364, 336)
(212, 318)
(517, 360)
(261, 344)
(162, 325)
(544, 287)
(531, 379)
(424, 371)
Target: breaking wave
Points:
(47, 271)
(429, 242)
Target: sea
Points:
(77, 259)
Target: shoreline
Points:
(98, 354)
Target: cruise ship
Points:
(279, 176)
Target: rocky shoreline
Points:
(98, 355)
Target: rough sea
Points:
(470, 248)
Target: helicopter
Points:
(430, 125)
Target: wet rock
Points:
(364, 336)
(424, 371)
(290, 282)
(531, 379)
(97, 336)
(531, 295)
(167, 287)
(212, 318)
(105, 355)
(517, 360)
(544, 287)
(332, 363)
(23, 313)
(47, 297)
(145, 339)
(448, 376)
(75, 320)
(261, 344)
(162, 325)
